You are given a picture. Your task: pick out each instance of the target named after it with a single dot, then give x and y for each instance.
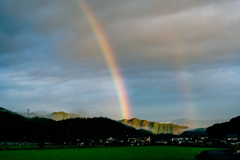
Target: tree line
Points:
(15, 127)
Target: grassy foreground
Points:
(145, 152)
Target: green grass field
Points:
(113, 153)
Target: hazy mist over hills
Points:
(195, 132)
(57, 116)
(141, 125)
(190, 123)
(195, 123)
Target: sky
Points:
(178, 58)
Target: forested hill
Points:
(57, 116)
(15, 127)
(222, 129)
(154, 127)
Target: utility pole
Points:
(28, 113)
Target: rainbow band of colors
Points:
(110, 59)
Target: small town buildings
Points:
(138, 140)
(202, 140)
(184, 139)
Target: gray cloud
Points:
(50, 58)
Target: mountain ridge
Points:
(57, 116)
(154, 127)
(194, 124)
(221, 130)
(194, 132)
(15, 127)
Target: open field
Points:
(29, 147)
(145, 152)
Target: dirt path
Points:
(224, 154)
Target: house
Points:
(219, 142)
(191, 141)
(109, 141)
(147, 140)
(159, 142)
(88, 142)
(231, 139)
(131, 141)
(79, 143)
(123, 140)
(174, 140)
(202, 140)
(209, 142)
(162, 139)
(202, 136)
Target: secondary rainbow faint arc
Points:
(110, 59)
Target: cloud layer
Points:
(174, 55)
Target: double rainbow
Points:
(110, 60)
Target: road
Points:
(224, 154)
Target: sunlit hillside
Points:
(154, 127)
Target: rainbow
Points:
(182, 80)
(185, 88)
(110, 60)
(189, 107)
